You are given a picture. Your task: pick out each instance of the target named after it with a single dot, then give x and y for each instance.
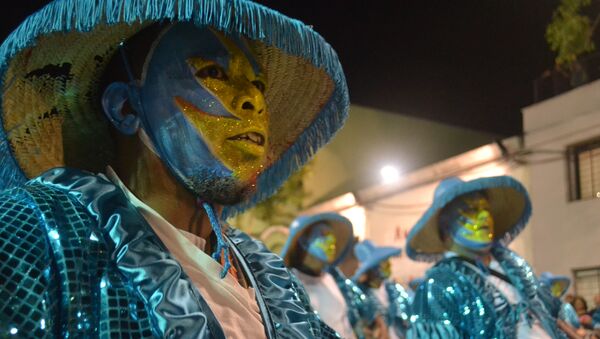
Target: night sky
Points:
(465, 62)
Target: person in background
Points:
(581, 308)
(478, 288)
(315, 246)
(373, 277)
(556, 286)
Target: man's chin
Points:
(220, 189)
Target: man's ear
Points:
(113, 101)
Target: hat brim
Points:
(342, 229)
(42, 131)
(550, 279)
(380, 254)
(509, 205)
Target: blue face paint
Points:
(320, 243)
(167, 75)
(468, 222)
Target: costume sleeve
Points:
(435, 308)
(399, 307)
(28, 296)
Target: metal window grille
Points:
(587, 283)
(585, 170)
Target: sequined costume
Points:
(398, 308)
(456, 301)
(80, 259)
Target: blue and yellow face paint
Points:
(471, 224)
(203, 99)
(323, 247)
(239, 141)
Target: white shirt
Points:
(234, 306)
(327, 299)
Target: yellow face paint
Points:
(557, 289)
(478, 220)
(327, 244)
(239, 142)
(385, 269)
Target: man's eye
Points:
(212, 71)
(259, 85)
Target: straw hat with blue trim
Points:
(509, 206)
(548, 279)
(51, 66)
(340, 225)
(370, 256)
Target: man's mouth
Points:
(252, 137)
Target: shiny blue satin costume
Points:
(78, 260)
(456, 301)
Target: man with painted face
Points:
(316, 245)
(478, 288)
(373, 278)
(129, 131)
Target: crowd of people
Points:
(131, 130)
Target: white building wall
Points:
(565, 234)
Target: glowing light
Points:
(358, 216)
(389, 174)
(13, 331)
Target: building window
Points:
(587, 284)
(584, 168)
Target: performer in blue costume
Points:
(316, 245)
(373, 277)
(129, 131)
(556, 286)
(478, 288)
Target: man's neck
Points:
(483, 256)
(147, 177)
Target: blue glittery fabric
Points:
(456, 301)
(78, 260)
(398, 311)
(362, 310)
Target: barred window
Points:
(585, 170)
(587, 284)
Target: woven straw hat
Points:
(52, 63)
(509, 206)
(340, 225)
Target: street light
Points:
(389, 174)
